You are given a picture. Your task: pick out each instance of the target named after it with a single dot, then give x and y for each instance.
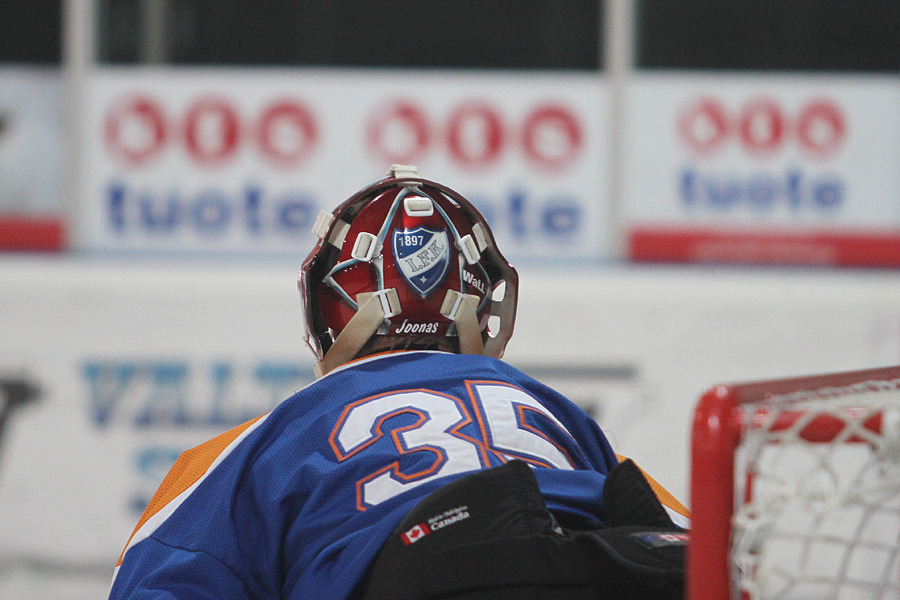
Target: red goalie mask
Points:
(406, 256)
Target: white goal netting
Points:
(817, 495)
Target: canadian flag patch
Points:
(415, 534)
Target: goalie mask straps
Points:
(467, 329)
(460, 308)
(374, 308)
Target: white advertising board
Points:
(764, 168)
(33, 209)
(241, 161)
(136, 361)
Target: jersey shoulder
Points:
(192, 466)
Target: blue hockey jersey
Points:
(297, 503)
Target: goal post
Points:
(795, 489)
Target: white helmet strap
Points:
(461, 309)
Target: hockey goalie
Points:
(418, 464)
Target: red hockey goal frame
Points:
(717, 429)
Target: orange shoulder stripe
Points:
(187, 470)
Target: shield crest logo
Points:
(423, 256)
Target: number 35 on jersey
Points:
(504, 422)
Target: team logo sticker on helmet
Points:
(423, 256)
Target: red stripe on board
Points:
(46, 234)
(838, 248)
